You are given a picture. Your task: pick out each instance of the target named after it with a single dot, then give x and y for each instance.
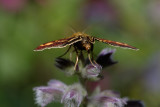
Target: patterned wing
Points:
(58, 43)
(114, 43)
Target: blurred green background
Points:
(25, 24)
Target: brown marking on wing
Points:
(114, 43)
(56, 44)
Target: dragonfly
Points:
(81, 42)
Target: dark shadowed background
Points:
(25, 24)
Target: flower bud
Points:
(105, 58)
(47, 94)
(65, 65)
(107, 99)
(74, 96)
(91, 71)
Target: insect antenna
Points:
(87, 27)
(72, 29)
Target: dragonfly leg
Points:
(93, 58)
(77, 59)
(89, 57)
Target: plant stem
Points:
(82, 81)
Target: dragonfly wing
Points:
(58, 43)
(114, 43)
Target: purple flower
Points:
(57, 84)
(52, 92)
(74, 96)
(65, 65)
(85, 68)
(71, 96)
(105, 57)
(91, 71)
(107, 99)
(62, 63)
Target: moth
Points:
(81, 41)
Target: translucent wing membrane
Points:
(114, 43)
(58, 43)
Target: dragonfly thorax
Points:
(85, 44)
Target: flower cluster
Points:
(77, 95)
(71, 96)
(106, 98)
(86, 69)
